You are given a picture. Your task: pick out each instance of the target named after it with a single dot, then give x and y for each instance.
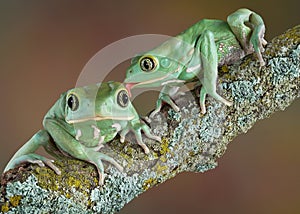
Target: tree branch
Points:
(190, 141)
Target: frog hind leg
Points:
(249, 30)
(26, 153)
(207, 50)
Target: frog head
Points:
(105, 101)
(85, 118)
(160, 65)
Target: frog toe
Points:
(35, 159)
(154, 137)
(42, 162)
(38, 162)
(50, 164)
(153, 113)
(144, 147)
(264, 42)
(139, 139)
(47, 162)
(101, 156)
(148, 133)
(115, 163)
(96, 159)
(215, 95)
(93, 159)
(101, 179)
(167, 99)
(157, 109)
(123, 133)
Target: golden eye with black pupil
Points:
(147, 64)
(122, 98)
(73, 102)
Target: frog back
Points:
(225, 40)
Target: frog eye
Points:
(73, 102)
(122, 98)
(147, 64)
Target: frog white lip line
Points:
(131, 85)
(99, 118)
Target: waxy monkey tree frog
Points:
(195, 54)
(80, 122)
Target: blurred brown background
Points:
(45, 44)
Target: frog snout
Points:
(128, 86)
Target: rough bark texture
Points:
(190, 141)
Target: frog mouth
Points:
(99, 118)
(131, 85)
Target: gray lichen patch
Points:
(264, 90)
(33, 198)
(211, 128)
(244, 93)
(284, 78)
(173, 115)
(197, 138)
(285, 68)
(118, 190)
(159, 125)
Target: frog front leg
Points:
(249, 29)
(26, 153)
(204, 65)
(73, 147)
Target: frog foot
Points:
(137, 129)
(35, 159)
(101, 172)
(148, 134)
(258, 42)
(167, 99)
(214, 94)
(96, 158)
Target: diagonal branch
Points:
(190, 141)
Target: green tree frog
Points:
(195, 54)
(80, 122)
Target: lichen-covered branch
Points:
(190, 141)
